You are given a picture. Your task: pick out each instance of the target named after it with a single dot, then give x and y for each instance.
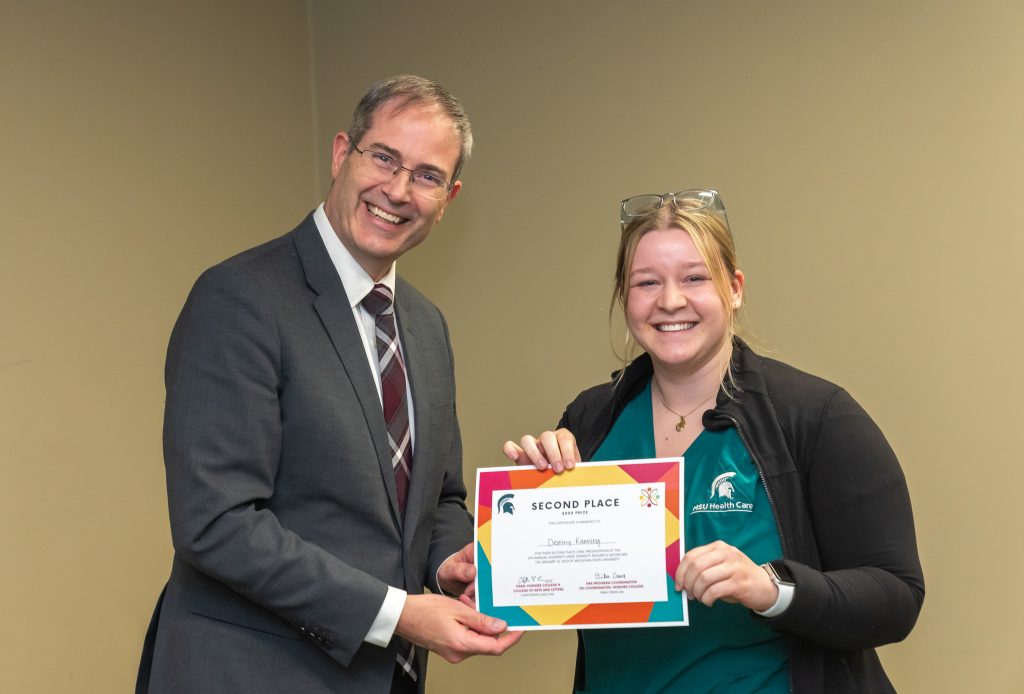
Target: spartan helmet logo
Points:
(505, 504)
(722, 488)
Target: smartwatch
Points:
(781, 576)
(779, 573)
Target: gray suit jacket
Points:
(281, 494)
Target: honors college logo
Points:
(649, 497)
(723, 497)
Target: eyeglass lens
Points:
(684, 200)
(424, 183)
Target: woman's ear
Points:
(737, 289)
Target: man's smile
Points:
(386, 216)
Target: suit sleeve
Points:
(870, 589)
(453, 525)
(222, 447)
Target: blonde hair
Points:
(713, 240)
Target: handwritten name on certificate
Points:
(594, 547)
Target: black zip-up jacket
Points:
(839, 499)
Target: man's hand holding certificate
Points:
(597, 546)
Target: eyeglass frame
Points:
(715, 204)
(444, 190)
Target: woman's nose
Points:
(672, 297)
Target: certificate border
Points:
(671, 612)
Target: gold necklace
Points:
(682, 417)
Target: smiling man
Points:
(313, 456)
(381, 207)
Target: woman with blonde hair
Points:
(802, 557)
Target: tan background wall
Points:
(139, 143)
(871, 158)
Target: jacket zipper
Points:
(775, 516)
(764, 483)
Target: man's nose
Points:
(399, 187)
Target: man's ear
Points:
(456, 187)
(339, 152)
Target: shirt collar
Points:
(354, 278)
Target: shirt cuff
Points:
(383, 627)
(437, 577)
(781, 603)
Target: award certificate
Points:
(594, 547)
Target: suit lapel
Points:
(331, 304)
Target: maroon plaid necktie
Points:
(379, 302)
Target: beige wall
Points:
(871, 158)
(139, 143)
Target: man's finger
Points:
(478, 644)
(481, 623)
(465, 572)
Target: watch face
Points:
(780, 571)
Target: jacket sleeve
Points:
(870, 587)
(222, 448)
(582, 417)
(453, 525)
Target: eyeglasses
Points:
(424, 183)
(694, 200)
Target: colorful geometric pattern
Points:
(671, 612)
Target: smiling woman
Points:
(801, 554)
(670, 255)
(673, 308)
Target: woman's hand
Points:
(719, 571)
(552, 449)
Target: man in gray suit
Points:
(314, 463)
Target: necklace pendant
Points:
(682, 424)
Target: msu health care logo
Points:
(723, 497)
(722, 487)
